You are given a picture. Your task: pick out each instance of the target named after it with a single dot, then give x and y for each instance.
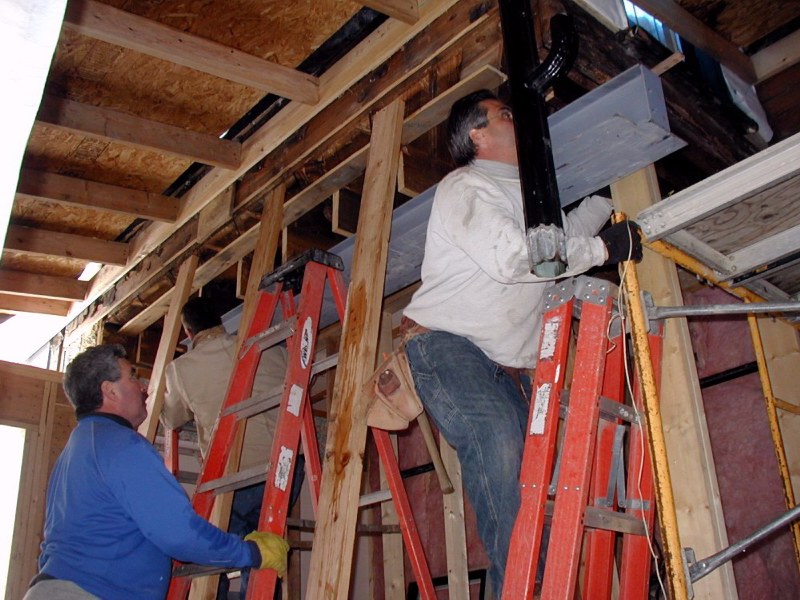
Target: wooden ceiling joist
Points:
(46, 286)
(403, 10)
(109, 24)
(685, 24)
(10, 303)
(415, 125)
(53, 243)
(116, 126)
(361, 61)
(51, 187)
(779, 56)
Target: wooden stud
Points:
(341, 475)
(166, 348)
(700, 519)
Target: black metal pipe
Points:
(728, 374)
(526, 80)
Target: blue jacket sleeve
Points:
(159, 506)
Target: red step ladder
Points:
(592, 511)
(299, 328)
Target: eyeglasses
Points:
(504, 114)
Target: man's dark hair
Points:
(199, 314)
(86, 373)
(466, 114)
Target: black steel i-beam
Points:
(528, 79)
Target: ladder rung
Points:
(255, 404)
(374, 498)
(308, 525)
(258, 404)
(326, 363)
(609, 409)
(269, 337)
(613, 521)
(235, 481)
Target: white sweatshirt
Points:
(476, 280)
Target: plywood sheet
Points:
(760, 216)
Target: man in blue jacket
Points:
(115, 516)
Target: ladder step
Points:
(235, 481)
(258, 404)
(272, 336)
(255, 404)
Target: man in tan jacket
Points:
(196, 386)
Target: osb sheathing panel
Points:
(743, 21)
(101, 74)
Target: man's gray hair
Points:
(86, 373)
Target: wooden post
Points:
(701, 522)
(166, 347)
(343, 466)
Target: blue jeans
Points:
(482, 413)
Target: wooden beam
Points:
(403, 10)
(47, 286)
(103, 22)
(342, 470)
(701, 522)
(52, 243)
(51, 187)
(695, 31)
(116, 126)
(10, 303)
(166, 348)
(779, 56)
(472, 18)
(348, 170)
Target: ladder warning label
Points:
(295, 400)
(549, 337)
(540, 406)
(306, 338)
(283, 469)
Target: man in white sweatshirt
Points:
(475, 319)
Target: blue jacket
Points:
(116, 517)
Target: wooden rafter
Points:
(10, 303)
(53, 243)
(695, 31)
(51, 187)
(404, 10)
(116, 126)
(115, 26)
(348, 170)
(46, 286)
(363, 59)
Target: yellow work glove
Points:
(273, 549)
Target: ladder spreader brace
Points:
(590, 508)
(307, 275)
